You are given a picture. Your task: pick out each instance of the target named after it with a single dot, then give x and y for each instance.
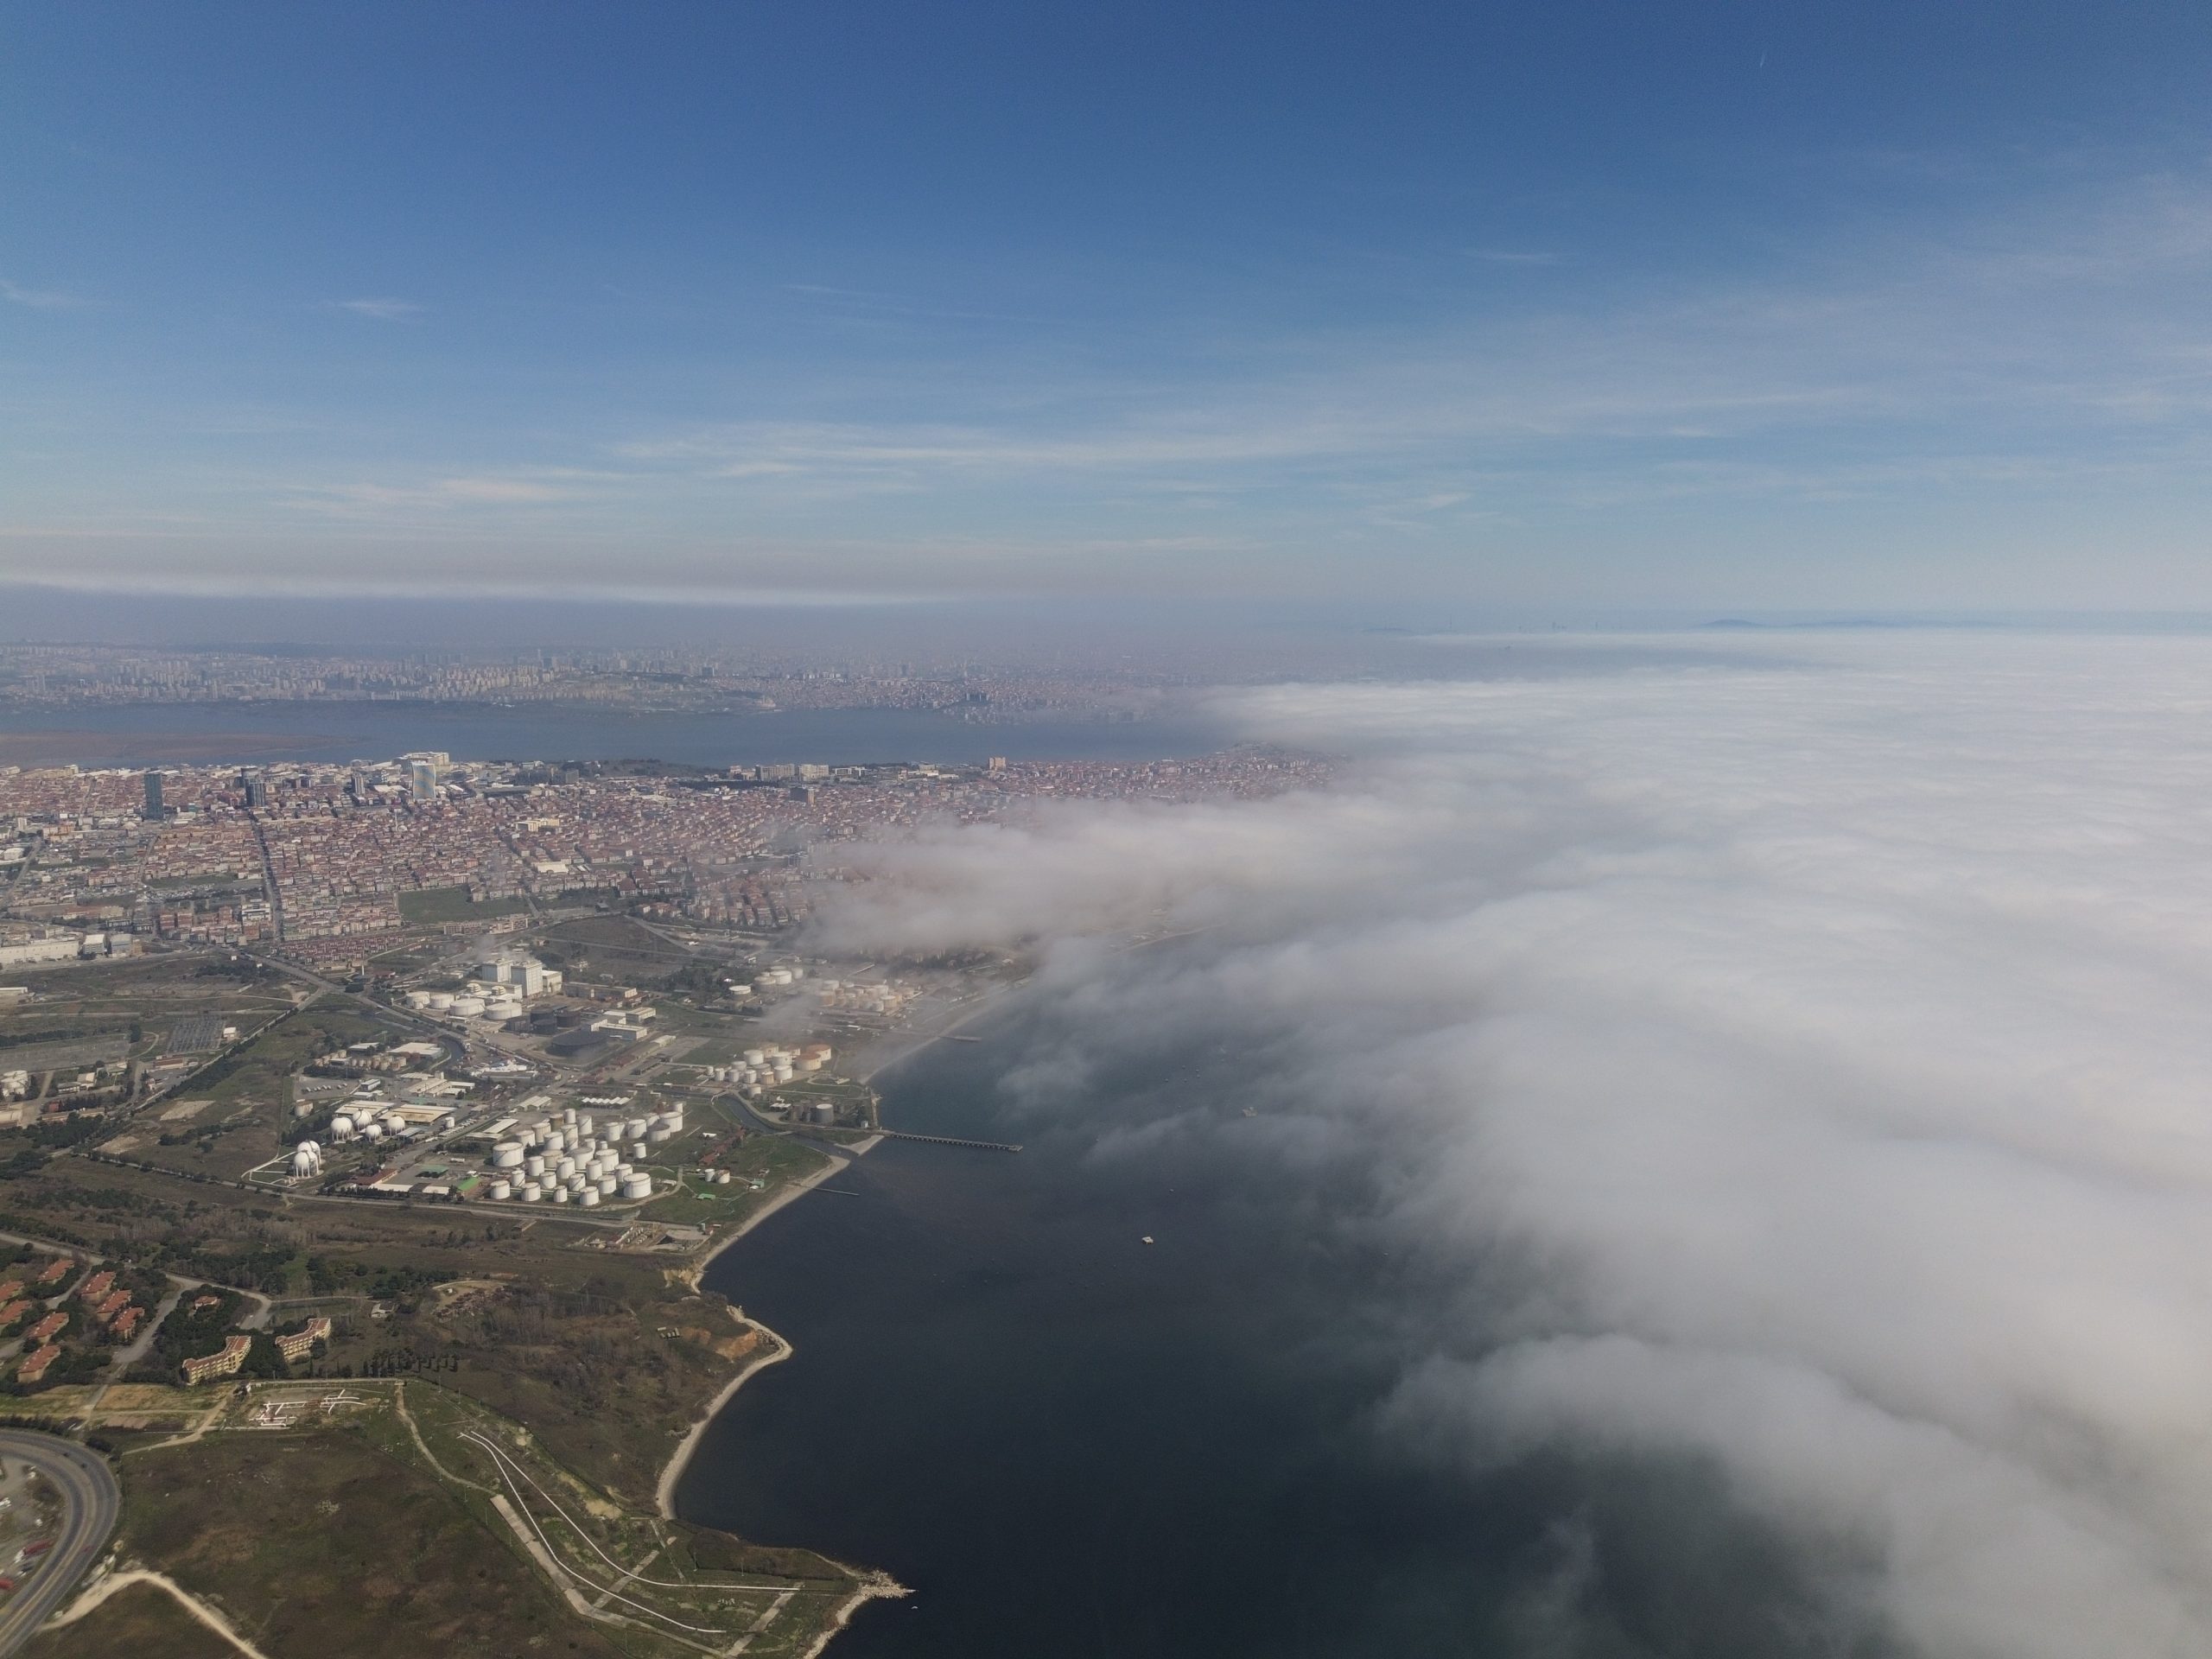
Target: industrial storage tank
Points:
(440, 1001)
(467, 1007)
(372, 1132)
(658, 1134)
(634, 1129)
(503, 1011)
(534, 1165)
(565, 1167)
(531, 1191)
(507, 1154)
(638, 1186)
(588, 1197)
(341, 1128)
(559, 1195)
(755, 1057)
(556, 1142)
(608, 1185)
(418, 999)
(825, 1111)
(584, 1126)
(500, 1191)
(722, 1178)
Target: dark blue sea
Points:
(1069, 1442)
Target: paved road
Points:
(91, 1503)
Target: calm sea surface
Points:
(154, 733)
(1070, 1442)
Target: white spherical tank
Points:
(341, 1128)
(372, 1132)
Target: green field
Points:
(248, 1095)
(426, 905)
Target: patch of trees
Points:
(54, 1034)
(188, 1334)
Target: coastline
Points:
(680, 1460)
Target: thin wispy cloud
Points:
(41, 299)
(380, 310)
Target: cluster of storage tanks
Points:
(865, 996)
(771, 1064)
(365, 1122)
(577, 1159)
(465, 1005)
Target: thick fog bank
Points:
(1825, 1048)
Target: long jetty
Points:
(947, 1141)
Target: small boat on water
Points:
(1147, 1238)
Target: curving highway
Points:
(91, 1503)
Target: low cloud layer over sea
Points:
(1800, 1065)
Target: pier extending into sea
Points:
(947, 1141)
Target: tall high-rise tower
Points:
(154, 797)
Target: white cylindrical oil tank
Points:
(588, 1197)
(534, 1165)
(467, 1007)
(722, 1178)
(585, 1126)
(567, 1118)
(440, 1001)
(638, 1186)
(656, 1135)
(825, 1111)
(500, 1191)
(418, 999)
(555, 1142)
(559, 1195)
(608, 1185)
(634, 1129)
(754, 1056)
(564, 1168)
(531, 1191)
(507, 1155)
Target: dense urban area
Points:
(686, 678)
(369, 1127)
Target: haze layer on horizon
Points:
(1645, 309)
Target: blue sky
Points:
(1664, 306)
